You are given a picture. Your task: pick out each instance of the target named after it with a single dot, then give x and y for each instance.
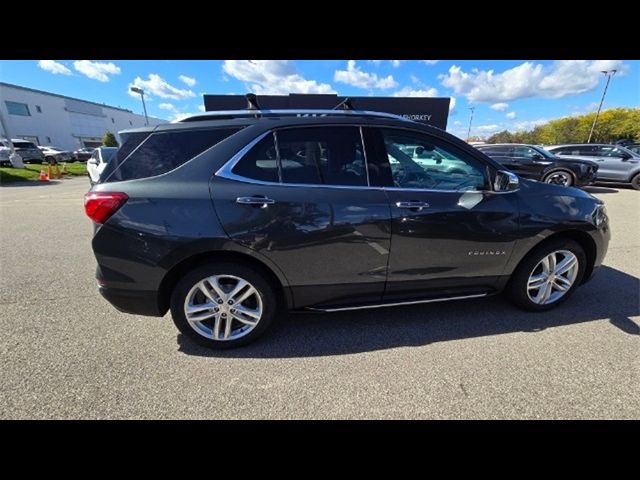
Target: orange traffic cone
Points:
(43, 177)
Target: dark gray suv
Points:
(226, 218)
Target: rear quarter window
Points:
(161, 152)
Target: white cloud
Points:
(396, 63)
(356, 77)
(485, 129)
(177, 116)
(156, 85)
(410, 92)
(457, 123)
(96, 70)
(376, 62)
(511, 115)
(559, 79)
(265, 77)
(167, 106)
(201, 108)
(54, 67)
(499, 107)
(527, 124)
(430, 62)
(188, 81)
(452, 105)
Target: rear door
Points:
(301, 198)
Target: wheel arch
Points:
(172, 277)
(587, 243)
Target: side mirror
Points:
(625, 156)
(537, 156)
(505, 181)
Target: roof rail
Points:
(230, 114)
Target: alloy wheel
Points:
(552, 277)
(559, 178)
(223, 307)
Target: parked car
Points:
(5, 152)
(26, 149)
(226, 218)
(98, 162)
(635, 148)
(531, 161)
(83, 154)
(615, 163)
(55, 155)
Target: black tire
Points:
(263, 287)
(571, 179)
(635, 181)
(517, 287)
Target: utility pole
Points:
(141, 92)
(609, 74)
(470, 120)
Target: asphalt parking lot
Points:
(66, 353)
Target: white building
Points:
(60, 121)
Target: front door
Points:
(450, 233)
(306, 205)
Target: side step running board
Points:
(395, 304)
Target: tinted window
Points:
(260, 163)
(164, 151)
(576, 150)
(609, 151)
(322, 155)
(24, 145)
(417, 162)
(496, 151)
(525, 152)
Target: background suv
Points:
(226, 217)
(615, 163)
(531, 161)
(27, 150)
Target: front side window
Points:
(417, 162)
(610, 151)
(322, 155)
(16, 108)
(525, 152)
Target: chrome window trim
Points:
(226, 170)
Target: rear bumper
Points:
(137, 302)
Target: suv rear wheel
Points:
(548, 275)
(559, 177)
(223, 305)
(635, 181)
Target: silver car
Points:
(615, 162)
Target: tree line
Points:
(613, 125)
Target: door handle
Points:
(261, 201)
(412, 204)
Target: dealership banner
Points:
(428, 110)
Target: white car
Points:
(99, 159)
(54, 155)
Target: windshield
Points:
(23, 145)
(107, 153)
(543, 152)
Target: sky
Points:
(506, 94)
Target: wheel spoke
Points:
(255, 314)
(227, 326)
(562, 284)
(552, 261)
(213, 281)
(216, 328)
(566, 264)
(244, 320)
(536, 281)
(548, 288)
(246, 294)
(199, 312)
(239, 286)
(205, 291)
(545, 264)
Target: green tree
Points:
(501, 137)
(109, 139)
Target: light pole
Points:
(141, 92)
(609, 74)
(470, 120)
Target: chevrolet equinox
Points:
(225, 218)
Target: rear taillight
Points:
(99, 206)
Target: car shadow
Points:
(594, 189)
(611, 294)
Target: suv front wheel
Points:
(548, 275)
(223, 305)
